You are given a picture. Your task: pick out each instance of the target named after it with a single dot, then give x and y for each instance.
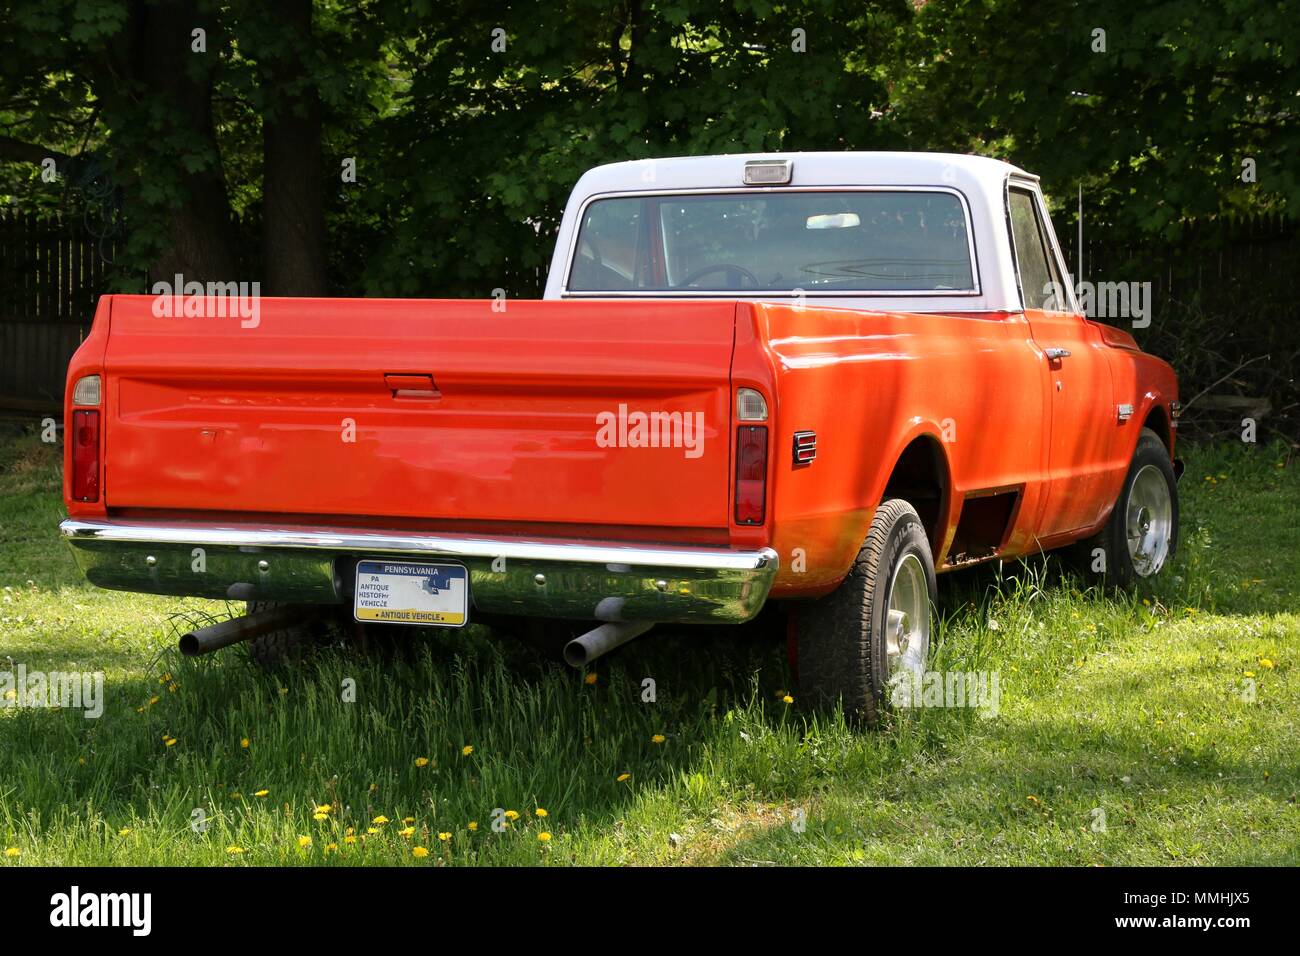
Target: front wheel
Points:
(1140, 537)
(873, 631)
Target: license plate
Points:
(394, 592)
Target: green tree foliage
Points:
(469, 122)
(507, 106)
(1155, 116)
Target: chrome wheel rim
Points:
(907, 622)
(1149, 523)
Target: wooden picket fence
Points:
(52, 268)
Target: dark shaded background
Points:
(133, 147)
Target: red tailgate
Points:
(439, 409)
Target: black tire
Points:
(288, 645)
(842, 650)
(1105, 556)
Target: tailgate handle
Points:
(412, 385)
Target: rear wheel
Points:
(873, 631)
(1140, 537)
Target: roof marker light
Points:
(768, 172)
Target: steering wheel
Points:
(726, 267)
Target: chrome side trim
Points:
(562, 578)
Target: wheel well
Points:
(1158, 422)
(920, 477)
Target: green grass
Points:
(1127, 710)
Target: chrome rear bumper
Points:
(526, 576)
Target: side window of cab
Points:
(1041, 284)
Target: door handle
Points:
(413, 385)
(1055, 355)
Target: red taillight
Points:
(751, 473)
(85, 455)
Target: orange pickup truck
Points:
(808, 378)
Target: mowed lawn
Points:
(1159, 728)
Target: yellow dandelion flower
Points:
(422, 761)
(124, 831)
(406, 832)
(512, 814)
(261, 793)
(152, 701)
(349, 839)
(1248, 673)
(623, 777)
(787, 699)
(380, 820)
(244, 741)
(234, 850)
(304, 842)
(444, 837)
(13, 851)
(372, 829)
(1265, 663)
(170, 741)
(658, 739)
(331, 847)
(320, 816)
(541, 812)
(408, 819)
(473, 826)
(590, 678)
(420, 852)
(325, 808)
(544, 837)
(466, 750)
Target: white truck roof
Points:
(980, 181)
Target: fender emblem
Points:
(1125, 412)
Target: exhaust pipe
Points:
(581, 651)
(214, 637)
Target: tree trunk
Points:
(201, 235)
(293, 212)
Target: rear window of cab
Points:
(786, 242)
